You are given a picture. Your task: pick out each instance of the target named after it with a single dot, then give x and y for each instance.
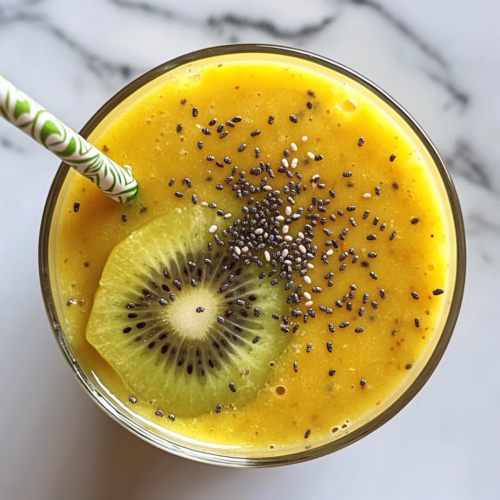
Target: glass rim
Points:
(210, 457)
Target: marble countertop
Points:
(440, 59)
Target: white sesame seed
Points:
(304, 138)
(280, 218)
(244, 249)
(228, 216)
(288, 211)
(237, 250)
(329, 252)
(288, 263)
(199, 126)
(284, 162)
(302, 248)
(310, 266)
(295, 162)
(293, 146)
(259, 230)
(204, 203)
(284, 229)
(267, 188)
(367, 195)
(309, 303)
(212, 229)
(285, 252)
(310, 155)
(307, 295)
(266, 235)
(267, 256)
(301, 235)
(307, 279)
(288, 238)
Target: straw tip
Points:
(125, 196)
(131, 196)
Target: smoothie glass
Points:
(214, 454)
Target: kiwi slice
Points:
(185, 326)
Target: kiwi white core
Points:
(183, 318)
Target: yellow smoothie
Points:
(364, 192)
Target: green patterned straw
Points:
(27, 115)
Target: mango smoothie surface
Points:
(285, 271)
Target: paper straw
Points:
(27, 115)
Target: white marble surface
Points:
(441, 59)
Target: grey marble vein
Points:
(101, 67)
(264, 25)
(477, 223)
(8, 144)
(458, 96)
(404, 29)
(445, 80)
(466, 162)
(149, 8)
(271, 28)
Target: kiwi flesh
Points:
(185, 326)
